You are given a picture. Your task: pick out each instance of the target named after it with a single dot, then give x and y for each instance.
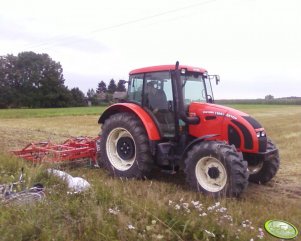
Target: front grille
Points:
(247, 135)
(262, 142)
(233, 136)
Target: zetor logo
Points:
(281, 229)
(218, 113)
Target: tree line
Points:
(36, 81)
(104, 94)
(293, 100)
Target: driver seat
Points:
(158, 104)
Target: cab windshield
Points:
(194, 88)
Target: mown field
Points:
(163, 208)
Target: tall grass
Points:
(115, 209)
(163, 208)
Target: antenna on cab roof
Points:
(177, 65)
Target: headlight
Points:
(260, 134)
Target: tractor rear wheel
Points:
(264, 171)
(216, 169)
(125, 148)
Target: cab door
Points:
(160, 100)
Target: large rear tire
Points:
(216, 169)
(124, 147)
(264, 171)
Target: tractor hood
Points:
(205, 109)
(229, 124)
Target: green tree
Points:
(269, 97)
(7, 77)
(78, 97)
(92, 96)
(112, 86)
(102, 87)
(33, 80)
(121, 85)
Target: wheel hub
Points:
(213, 172)
(126, 148)
(121, 149)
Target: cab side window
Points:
(158, 90)
(135, 88)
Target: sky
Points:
(253, 45)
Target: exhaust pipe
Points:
(191, 120)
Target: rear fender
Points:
(149, 125)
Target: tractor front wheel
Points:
(265, 170)
(125, 148)
(216, 169)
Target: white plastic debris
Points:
(130, 227)
(75, 184)
(209, 234)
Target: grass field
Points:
(163, 208)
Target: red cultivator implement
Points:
(72, 149)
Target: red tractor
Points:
(169, 121)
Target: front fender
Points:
(197, 140)
(149, 125)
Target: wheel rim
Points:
(211, 174)
(121, 149)
(253, 169)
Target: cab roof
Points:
(167, 68)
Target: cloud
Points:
(39, 39)
(82, 44)
(13, 30)
(244, 42)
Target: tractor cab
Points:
(158, 90)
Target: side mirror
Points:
(217, 79)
